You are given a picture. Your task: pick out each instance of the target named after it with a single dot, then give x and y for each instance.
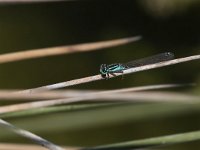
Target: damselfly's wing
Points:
(150, 60)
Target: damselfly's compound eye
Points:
(103, 69)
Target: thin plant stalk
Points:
(30, 136)
(59, 50)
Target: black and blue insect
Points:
(106, 70)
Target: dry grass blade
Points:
(58, 94)
(13, 146)
(8, 146)
(55, 109)
(99, 77)
(148, 87)
(44, 52)
(126, 97)
(30, 136)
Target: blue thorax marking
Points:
(105, 69)
(115, 68)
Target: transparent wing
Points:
(150, 60)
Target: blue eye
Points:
(103, 69)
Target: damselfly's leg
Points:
(122, 72)
(119, 71)
(122, 75)
(107, 76)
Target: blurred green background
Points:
(165, 25)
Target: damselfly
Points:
(106, 70)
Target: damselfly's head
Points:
(103, 70)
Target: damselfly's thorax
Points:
(105, 69)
